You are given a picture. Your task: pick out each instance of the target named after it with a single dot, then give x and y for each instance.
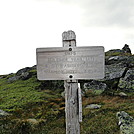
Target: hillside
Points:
(30, 106)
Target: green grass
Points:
(18, 94)
(25, 99)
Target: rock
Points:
(117, 59)
(122, 94)
(114, 71)
(32, 121)
(3, 113)
(114, 52)
(1, 77)
(130, 61)
(126, 49)
(12, 79)
(35, 121)
(127, 83)
(63, 94)
(93, 106)
(22, 74)
(23, 70)
(126, 123)
(96, 87)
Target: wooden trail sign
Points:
(71, 63)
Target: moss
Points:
(26, 99)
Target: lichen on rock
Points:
(126, 123)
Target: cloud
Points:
(109, 13)
(118, 13)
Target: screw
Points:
(70, 49)
(70, 76)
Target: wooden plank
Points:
(61, 62)
(71, 92)
(72, 116)
(80, 103)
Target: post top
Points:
(69, 35)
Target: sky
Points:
(29, 24)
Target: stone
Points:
(126, 49)
(12, 79)
(126, 123)
(63, 94)
(122, 94)
(93, 106)
(114, 71)
(1, 77)
(32, 121)
(127, 83)
(96, 87)
(114, 52)
(116, 60)
(22, 74)
(23, 70)
(3, 113)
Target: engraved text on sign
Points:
(78, 62)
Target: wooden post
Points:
(71, 91)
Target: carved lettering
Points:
(80, 63)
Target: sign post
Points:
(71, 90)
(71, 63)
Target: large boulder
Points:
(95, 87)
(22, 74)
(126, 49)
(114, 52)
(114, 71)
(116, 60)
(126, 123)
(127, 83)
(127, 61)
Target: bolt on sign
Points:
(63, 63)
(71, 63)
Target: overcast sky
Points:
(29, 24)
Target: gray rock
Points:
(126, 123)
(23, 70)
(3, 113)
(1, 77)
(114, 52)
(96, 87)
(22, 74)
(126, 49)
(114, 71)
(122, 94)
(127, 83)
(93, 106)
(63, 94)
(117, 59)
(12, 79)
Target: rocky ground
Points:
(30, 106)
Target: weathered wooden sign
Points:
(70, 63)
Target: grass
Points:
(25, 99)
